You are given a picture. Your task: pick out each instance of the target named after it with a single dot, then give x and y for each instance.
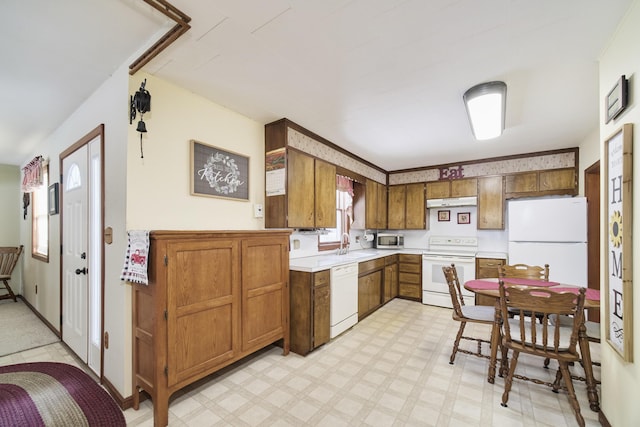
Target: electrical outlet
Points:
(258, 211)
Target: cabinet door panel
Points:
(264, 289)
(321, 315)
(558, 180)
(415, 207)
(464, 187)
(371, 202)
(396, 208)
(205, 291)
(491, 203)
(438, 190)
(325, 194)
(300, 184)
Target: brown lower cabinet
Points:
(213, 298)
(390, 278)
(370, 286)
(410, 276)
(310, 310)
(487, 268)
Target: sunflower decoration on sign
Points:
(615, 229)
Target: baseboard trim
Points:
(37, 313)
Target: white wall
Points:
(620, 379)
(10, 217)
(158, 186)
(589, 154)
(107, 105)
(12, 208)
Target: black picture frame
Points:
(444, 216)
(464, 218)
(616, 100)
(218, 173)
(53, 199)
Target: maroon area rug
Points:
(54, 394)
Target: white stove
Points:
(444, 251)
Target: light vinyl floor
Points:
(391, 369)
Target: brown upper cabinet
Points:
(306, 208)
(309, 199)
(406, 206)
(376, 205)
(541, 183)
(491, 203)
(454, 188)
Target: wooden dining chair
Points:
(521, 335)
(8, 259)
(524, 271)
(466, 313)
(592, 334)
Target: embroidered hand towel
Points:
(137, 258)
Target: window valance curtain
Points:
(344, 184)
(33, 174)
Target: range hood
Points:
(452, 201)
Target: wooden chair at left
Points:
(544, 339)
(466, 313)
(8, 259)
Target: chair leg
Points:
(11, 294)
(564, 368)
(456, 343)
(556, 383)
(509, 380)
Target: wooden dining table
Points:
(490, 288)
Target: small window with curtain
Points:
(344, 215)
(36, 182)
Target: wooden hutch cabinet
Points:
(213, 298)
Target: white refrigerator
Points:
(550, 231)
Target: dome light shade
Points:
(486, 105)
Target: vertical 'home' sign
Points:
(618, 246)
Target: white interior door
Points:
(82, 253)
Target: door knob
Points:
(83, 271)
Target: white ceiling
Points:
(383, 79)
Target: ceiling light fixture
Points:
(486, 105)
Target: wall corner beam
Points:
(181, 27)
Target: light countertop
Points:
(315, 263)
(497, 255)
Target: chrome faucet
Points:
(344, 250)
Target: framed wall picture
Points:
(444, 216)
(616, 100)
(53, 199)
(218, 173)
(618, 267)
(464, 218)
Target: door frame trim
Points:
(98, 131)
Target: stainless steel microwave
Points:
(389, 241)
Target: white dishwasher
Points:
(344, 298)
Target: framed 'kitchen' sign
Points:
(218, 173)
(618, 244)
